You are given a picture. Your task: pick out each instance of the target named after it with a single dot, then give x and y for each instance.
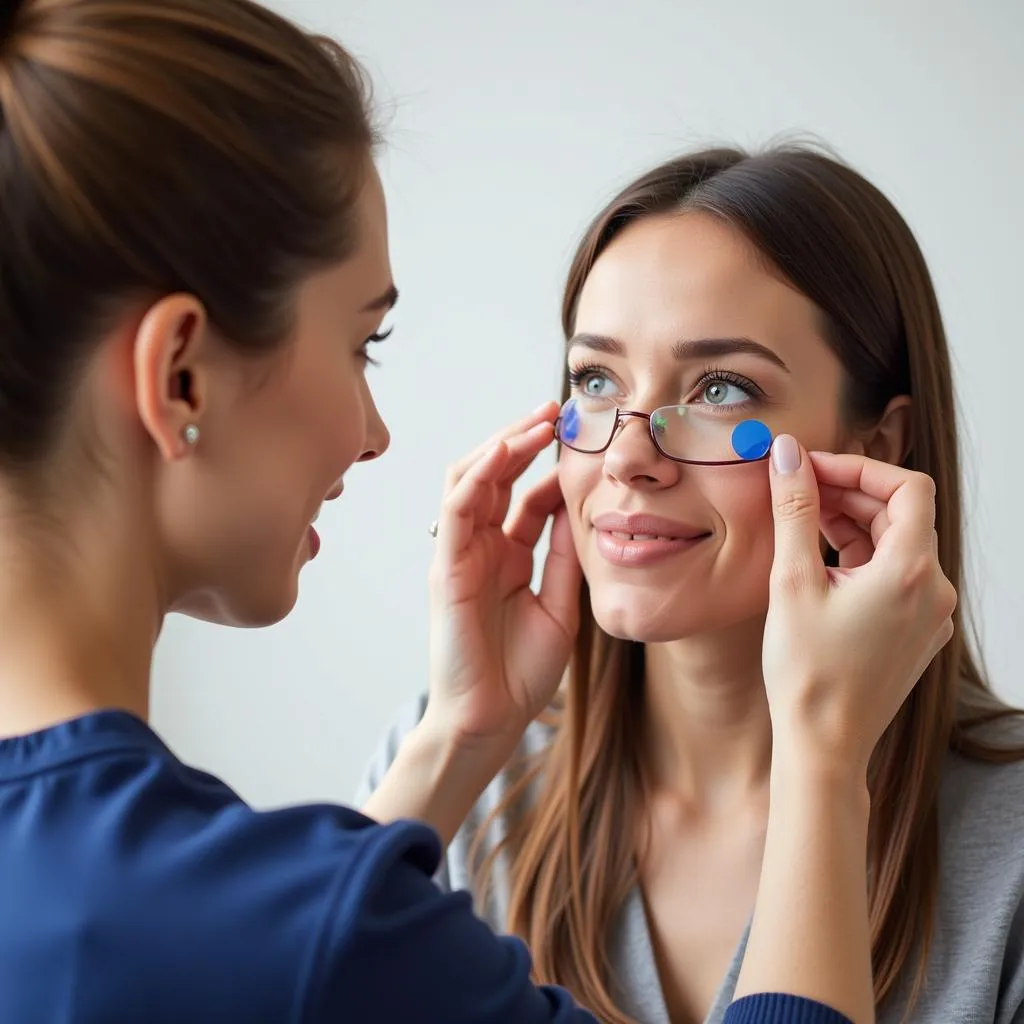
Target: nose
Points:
(378, 437)
(632, 458)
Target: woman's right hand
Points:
(843, 647)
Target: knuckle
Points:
(916, 575)
(795, 505)
(451, 504)
(947, 598)
(452, 475)
(924, 486)
(926, 483)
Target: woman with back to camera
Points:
(722, 288)
(193, 269)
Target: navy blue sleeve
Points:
(771, 1008)
(398, 948)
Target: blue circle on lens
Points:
(569, 428)
(751, 440)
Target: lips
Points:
(641, 526)
(639, 540)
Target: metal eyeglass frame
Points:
(621, 415)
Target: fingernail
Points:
(786, 454)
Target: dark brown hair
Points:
(203, 146)
(574, 853)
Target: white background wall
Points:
(512, 123)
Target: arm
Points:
(436, 779)
(395, 948)
(809, 935)
(842, 650)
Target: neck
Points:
(78, 615)
(707, 727)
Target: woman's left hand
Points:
(497, 649)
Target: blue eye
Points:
(591, 381)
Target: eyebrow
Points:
(383, 302)
(691, 348)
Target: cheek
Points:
(741, 498)
(578, 475)
(334, 413)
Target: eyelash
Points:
(710, 375)
(577, 374)
(713, 374)
(374, 339)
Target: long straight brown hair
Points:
(574, 852)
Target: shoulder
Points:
(247, 901)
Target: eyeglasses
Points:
(682, 433)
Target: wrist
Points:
(444, 730)
(452, 762)
(819, 783)
(436, 779)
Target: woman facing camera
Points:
(719, 300)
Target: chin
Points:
(631, 617)
(652, 616)
(252, 609)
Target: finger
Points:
(533, 512)
(469, 504)
(523, 451)
(545, 413)
(862, 508)
(797, 563)
(853, 545)
(524, 448)
(559, 593)
(909, 495)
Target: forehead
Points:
(690, 275)
(371, 254)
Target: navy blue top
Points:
(134, 888)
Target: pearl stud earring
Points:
(191, 434)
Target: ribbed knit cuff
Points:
(775, 1008)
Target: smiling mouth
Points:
(618, 535)
(640, 550)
